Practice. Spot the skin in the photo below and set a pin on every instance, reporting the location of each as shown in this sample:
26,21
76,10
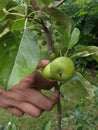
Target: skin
26,97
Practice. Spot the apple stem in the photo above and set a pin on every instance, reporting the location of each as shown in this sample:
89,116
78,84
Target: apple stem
59,108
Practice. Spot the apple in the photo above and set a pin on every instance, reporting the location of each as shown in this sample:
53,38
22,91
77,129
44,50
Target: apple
60,69
46,71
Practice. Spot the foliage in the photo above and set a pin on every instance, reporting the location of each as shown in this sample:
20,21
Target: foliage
45,30
84,15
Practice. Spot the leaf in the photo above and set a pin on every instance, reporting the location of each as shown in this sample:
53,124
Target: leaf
18,24
74,37
46,2
11,4
82,13
93,49
73,92
3,3
86,84
2,14
26,59
17,59
13,127
4,24
59,16
8,51
82,54
47,126
87,51
76,89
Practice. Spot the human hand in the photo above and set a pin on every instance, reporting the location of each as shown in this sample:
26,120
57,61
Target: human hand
25,97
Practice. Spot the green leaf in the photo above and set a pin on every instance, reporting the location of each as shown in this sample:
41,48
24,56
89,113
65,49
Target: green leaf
4,24
73,93
87,51
76,89
47,126
9,44
11,4
94,50
87,85
17,59
59,16
2,14
3,3
46,2
74,37
27,1
82,13
82,54
18,24
26,59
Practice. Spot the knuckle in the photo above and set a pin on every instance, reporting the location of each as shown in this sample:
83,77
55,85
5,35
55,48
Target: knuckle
49,106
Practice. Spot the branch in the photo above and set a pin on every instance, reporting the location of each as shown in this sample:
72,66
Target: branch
59,110
48,38
35,5
16,14
46,30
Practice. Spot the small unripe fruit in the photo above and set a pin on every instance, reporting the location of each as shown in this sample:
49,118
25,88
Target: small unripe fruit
60,69
46,71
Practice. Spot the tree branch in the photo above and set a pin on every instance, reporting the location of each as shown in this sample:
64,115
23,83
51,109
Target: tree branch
48,37
35,5
44,27
59,109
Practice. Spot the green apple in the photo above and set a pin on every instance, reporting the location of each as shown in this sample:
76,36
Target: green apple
62,68
46,71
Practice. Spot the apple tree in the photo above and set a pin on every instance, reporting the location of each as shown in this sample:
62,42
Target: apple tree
33,30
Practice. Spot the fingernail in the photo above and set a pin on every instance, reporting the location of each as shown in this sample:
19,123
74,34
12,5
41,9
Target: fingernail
44,61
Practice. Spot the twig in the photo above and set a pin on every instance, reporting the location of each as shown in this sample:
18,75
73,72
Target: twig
59,109
60,3
44,27
35,5
57,4
16,14
26,18
48,37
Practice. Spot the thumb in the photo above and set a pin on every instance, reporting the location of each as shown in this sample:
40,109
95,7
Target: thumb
42,63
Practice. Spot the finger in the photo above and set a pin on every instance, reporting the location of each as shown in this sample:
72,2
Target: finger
35,80
15,111
7,103
44,102
42,63
19,107
38,99
30,109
